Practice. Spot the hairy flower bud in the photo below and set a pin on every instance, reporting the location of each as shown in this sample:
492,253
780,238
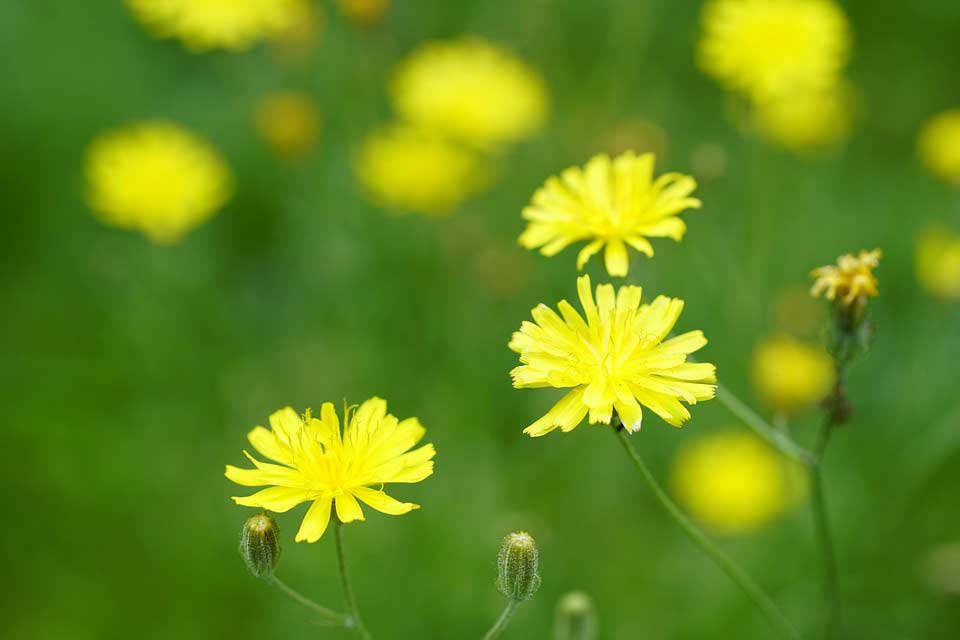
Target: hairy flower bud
260,545
575,618
518,565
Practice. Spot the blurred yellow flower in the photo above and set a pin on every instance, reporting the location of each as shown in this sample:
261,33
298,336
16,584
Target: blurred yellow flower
471,91
407,169
939,146
611,203
155,177
363,12
616,360
851,278
289,122
806,120
791,375
321,464
938,262
213,24
734,482
765,48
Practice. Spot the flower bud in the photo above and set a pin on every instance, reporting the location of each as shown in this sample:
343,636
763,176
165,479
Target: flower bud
518,565
575,618
260,545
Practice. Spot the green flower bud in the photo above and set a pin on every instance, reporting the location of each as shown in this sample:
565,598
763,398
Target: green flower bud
575,618
260,545
518,565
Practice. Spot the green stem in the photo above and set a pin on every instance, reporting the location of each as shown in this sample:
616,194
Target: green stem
353,615
778,439
822,525
503,621
773,614
331,616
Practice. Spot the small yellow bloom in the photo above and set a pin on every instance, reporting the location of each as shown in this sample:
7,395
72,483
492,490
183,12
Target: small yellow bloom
939,146
938,262
612,203
615,360
806,120
765,48
155,177
471,91
791,375
851,278
289,122
364,12
734,482
407,169
321,464
218,24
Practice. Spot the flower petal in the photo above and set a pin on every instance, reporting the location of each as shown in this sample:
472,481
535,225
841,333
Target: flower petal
382,502
347,508
315,522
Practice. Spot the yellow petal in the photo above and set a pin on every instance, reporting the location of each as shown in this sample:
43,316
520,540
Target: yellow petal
587,252
615,258
347,508
268,445
277,499
315,522
382,502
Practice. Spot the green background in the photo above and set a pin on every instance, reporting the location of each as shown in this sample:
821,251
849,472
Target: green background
131,372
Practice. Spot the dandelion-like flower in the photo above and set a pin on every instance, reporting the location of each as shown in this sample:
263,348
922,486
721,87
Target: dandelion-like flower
155,177
471,91
938,261
363,12
289,122
612,204
333,468
765,48
616,359
850,279
791,375
939,146
807,120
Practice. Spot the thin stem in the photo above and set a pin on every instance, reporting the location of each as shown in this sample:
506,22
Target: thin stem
353,615
822,525
780,440
503,621
331,616
773,614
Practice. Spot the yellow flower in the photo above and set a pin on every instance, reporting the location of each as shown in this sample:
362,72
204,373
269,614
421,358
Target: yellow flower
851,278
289,122
407,169
470,90
612,203
363,12
791,375
806,120
155,177
765,48
212,24
939,146
321,464
938,262
616,360
734,482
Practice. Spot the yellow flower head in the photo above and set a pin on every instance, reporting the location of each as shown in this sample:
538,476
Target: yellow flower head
408,169
939,146
363,12
155,177
850,279
734,482
938,262
289,122
213,24
806,120
765,48
322,464
615,360
470,90
612,203
791,375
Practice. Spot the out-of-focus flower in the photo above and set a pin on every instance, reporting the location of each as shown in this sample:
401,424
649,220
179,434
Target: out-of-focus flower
766,48
850,279
939,146
471,91
409,169
155,177
364,12
302,33
611,203
218,24
938,262
321,464
734,482
615,360
791,375
807,120
708,162
636,135
289,122
575,618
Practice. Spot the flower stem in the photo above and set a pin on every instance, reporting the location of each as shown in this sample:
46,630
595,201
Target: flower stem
353,615
778,439
330,616
763,602
821,524
503,621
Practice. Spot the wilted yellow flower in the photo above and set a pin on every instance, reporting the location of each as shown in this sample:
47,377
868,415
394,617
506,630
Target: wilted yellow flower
612,203
734,482
289,122
806,120
851,278
213,24
155,177
939,146
765,48
938,261
408,169
791,375
616,360
470,90
363,11
322,464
